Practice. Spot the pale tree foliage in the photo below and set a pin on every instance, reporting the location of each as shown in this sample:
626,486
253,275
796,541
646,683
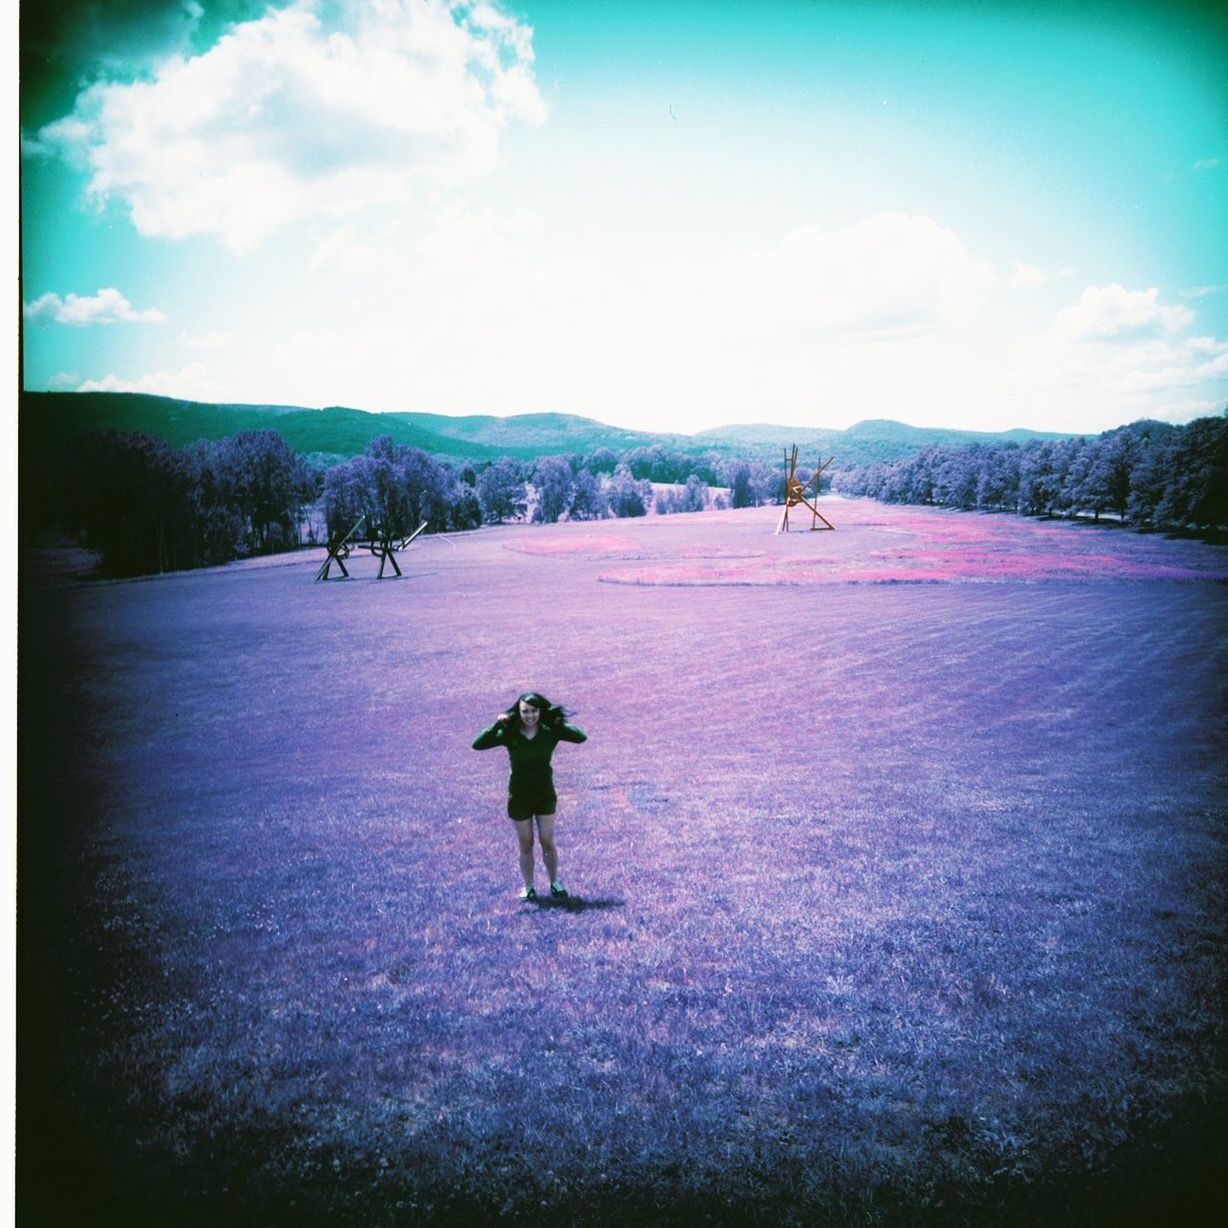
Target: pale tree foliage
501,491
1149,474
553,483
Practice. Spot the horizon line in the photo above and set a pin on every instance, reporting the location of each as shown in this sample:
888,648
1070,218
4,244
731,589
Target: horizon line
711,430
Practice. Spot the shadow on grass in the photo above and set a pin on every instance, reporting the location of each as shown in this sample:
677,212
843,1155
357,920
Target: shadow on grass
576,903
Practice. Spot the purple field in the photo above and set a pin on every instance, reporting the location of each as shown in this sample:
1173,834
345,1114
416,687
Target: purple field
897,860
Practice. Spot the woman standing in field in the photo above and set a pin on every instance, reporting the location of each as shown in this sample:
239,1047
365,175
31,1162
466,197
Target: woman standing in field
530,729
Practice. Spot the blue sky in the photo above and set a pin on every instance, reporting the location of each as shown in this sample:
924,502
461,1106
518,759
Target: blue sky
662,215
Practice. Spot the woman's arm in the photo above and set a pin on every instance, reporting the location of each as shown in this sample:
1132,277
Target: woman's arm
493,736
570,733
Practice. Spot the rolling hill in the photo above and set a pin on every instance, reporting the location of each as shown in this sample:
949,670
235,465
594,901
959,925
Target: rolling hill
875,439
338,432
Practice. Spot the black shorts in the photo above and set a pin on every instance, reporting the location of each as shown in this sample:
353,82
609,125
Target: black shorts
521,806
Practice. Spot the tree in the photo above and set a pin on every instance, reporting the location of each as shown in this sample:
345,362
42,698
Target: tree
1076,494
1039,482
387,495
394,488
266,483
695,496
602,461
956,477
997,481
501,491
426,489
131,499
1148,482
1112,462
348,494
625,495
895,483
741,491
464,509
767,483
919,483
552,478
588,502
220,528
657,463
1196,491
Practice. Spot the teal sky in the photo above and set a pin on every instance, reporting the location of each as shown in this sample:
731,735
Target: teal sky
662,215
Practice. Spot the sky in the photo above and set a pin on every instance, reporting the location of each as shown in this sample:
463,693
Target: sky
663,215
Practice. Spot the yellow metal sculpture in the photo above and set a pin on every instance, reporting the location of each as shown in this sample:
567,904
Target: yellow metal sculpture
796,493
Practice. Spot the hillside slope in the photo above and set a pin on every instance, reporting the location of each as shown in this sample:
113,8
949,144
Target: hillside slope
338,432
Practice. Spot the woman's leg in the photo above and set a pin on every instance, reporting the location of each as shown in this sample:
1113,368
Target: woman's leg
524,835
550,852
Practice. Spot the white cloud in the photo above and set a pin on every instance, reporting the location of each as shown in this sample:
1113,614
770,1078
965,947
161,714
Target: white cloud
1206,345
1177,367
318,109
1186,411
207,341
1107,312
475,240
1203,291
489,313
190,383
345,250
1113,357
1027,276
890,275
1207,164
108,306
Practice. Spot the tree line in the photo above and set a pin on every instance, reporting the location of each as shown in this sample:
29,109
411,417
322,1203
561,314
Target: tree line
1148,475
145,506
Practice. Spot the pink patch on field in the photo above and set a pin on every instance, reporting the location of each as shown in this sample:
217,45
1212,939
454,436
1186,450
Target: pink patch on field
912,567
595,543
671,574
877,544
716,552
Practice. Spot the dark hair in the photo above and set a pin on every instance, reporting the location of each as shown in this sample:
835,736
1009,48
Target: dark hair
553,715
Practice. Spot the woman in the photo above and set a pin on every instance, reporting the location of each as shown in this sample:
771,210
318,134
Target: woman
530,729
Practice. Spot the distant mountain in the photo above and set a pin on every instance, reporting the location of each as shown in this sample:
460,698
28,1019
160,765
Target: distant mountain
338,432
332,432
875,439
537,433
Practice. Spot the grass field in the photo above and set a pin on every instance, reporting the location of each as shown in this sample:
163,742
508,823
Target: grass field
897,860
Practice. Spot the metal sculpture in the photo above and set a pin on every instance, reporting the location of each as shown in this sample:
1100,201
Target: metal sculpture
795,493
377,540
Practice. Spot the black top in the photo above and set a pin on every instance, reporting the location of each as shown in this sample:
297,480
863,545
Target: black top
531,771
